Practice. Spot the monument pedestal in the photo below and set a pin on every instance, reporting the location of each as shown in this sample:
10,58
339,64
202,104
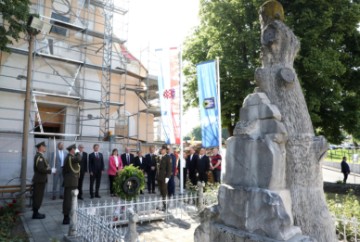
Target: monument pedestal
257,210
223,233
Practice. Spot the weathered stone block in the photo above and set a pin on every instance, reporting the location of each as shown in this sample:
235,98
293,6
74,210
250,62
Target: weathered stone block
255,99
261,111
222,233
255,163
257,210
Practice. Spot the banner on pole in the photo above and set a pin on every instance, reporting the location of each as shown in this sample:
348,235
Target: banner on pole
209,107
169,93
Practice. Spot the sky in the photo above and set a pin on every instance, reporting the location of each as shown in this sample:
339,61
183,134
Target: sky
161,24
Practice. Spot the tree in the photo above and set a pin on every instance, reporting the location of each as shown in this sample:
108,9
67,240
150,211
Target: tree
14,16
328,64
197,135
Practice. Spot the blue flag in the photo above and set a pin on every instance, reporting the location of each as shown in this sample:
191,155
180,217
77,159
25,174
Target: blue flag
208,102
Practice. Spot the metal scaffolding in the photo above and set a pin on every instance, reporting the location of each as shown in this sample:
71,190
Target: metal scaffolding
82,74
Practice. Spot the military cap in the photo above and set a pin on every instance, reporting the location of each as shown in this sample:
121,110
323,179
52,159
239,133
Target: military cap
73,146
40,144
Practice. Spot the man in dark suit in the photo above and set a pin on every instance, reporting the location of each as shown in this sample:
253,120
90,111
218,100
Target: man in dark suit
83,169
171,183
139,162
71,173
41,170
191,164
150,168
127,158
96,167
203,165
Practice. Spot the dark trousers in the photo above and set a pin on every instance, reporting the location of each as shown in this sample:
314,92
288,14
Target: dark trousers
203,177
192,176
345,177
38,195
80,184
97,178
171,186
162,188
217,175
67,200
151,181
111,180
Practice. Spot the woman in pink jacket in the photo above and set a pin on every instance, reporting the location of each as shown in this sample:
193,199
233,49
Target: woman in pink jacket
115,165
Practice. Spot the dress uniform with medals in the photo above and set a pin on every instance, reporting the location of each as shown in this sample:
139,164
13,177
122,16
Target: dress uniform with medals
71,173
41,170
164,173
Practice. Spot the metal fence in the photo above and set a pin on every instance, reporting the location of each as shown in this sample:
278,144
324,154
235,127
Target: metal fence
116,220
347,229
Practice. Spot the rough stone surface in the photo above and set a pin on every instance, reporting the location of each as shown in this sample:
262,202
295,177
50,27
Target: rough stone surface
224,233
254,197
255,163
304,151
257,210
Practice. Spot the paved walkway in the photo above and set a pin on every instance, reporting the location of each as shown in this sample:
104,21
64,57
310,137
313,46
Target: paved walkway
51,228
331,174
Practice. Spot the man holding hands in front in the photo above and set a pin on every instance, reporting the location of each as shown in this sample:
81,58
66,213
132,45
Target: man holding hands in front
96,167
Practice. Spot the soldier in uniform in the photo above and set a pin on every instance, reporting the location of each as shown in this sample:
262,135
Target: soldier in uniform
41,170
164,173
71,173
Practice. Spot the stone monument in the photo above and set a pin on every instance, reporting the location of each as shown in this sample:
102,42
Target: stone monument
272,185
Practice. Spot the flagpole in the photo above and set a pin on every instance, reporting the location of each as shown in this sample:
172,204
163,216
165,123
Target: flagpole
181,127
219,102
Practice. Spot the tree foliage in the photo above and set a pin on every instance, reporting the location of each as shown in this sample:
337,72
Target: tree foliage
328,64
13,18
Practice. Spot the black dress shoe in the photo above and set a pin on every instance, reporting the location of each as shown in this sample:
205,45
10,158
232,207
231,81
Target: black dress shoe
91,196
38,216
66,220
81,198
97,196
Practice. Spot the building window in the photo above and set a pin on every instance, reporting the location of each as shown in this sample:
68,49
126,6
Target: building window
57,29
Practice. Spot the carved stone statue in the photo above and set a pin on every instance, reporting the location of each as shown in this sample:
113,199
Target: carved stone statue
277,78
272,185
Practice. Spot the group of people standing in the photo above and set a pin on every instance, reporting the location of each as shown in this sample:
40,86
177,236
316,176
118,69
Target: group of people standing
69,169
200,164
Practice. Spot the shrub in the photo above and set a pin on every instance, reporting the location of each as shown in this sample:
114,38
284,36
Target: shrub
345,208
9,214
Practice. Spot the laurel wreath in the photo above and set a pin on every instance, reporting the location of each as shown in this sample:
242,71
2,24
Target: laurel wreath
123,176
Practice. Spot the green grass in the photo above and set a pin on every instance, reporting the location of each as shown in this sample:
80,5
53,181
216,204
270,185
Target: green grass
337,155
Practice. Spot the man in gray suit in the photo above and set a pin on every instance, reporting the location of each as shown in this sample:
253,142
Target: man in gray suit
57,176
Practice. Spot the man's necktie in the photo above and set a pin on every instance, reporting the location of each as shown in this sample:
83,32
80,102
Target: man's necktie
97,155
128,159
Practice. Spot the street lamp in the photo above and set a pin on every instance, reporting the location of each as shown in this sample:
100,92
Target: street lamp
34,26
